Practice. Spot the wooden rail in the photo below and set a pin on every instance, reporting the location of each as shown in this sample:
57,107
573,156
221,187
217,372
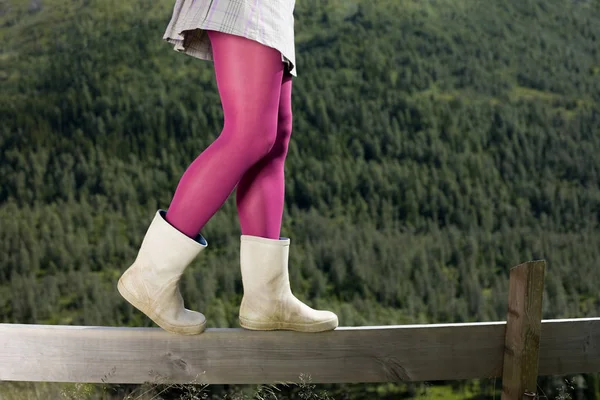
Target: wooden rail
236,356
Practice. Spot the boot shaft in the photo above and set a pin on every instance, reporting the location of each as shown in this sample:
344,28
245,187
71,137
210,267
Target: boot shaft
167,251
264,264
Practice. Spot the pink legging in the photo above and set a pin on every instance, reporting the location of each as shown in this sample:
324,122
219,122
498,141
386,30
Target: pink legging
250,152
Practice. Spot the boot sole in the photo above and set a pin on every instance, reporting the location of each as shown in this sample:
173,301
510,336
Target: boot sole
322,326
182,330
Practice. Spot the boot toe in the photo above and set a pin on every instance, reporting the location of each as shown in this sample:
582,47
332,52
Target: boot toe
328,319
187,323
318,321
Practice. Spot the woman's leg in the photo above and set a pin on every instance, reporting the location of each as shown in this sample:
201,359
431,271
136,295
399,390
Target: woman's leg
249,77
261,191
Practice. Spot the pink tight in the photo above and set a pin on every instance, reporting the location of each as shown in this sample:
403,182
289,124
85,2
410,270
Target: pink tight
250,151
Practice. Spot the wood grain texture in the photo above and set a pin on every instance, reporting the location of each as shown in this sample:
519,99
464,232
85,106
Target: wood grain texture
236,356
523,330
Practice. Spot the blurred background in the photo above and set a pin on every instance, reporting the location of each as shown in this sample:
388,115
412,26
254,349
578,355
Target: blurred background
436,144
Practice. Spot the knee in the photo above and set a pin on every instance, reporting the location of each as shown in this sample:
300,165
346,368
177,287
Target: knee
255,137
276,140
284,133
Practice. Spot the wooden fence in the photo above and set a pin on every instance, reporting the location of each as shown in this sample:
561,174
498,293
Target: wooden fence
517,350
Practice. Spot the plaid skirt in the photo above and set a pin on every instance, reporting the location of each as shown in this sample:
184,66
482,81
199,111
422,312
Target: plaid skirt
269,22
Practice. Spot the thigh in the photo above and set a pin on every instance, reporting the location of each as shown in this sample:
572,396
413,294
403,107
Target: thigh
284,117
249,76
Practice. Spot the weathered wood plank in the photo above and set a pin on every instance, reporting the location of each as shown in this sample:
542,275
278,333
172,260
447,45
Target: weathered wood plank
236,356
523,329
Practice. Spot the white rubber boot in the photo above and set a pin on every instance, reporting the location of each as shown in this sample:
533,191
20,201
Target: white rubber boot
151,283
268,302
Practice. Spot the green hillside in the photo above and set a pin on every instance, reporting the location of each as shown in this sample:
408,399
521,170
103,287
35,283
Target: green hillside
436,144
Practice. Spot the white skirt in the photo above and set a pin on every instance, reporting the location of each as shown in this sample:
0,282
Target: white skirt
269,22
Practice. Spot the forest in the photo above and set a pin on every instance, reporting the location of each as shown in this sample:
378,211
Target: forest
436,144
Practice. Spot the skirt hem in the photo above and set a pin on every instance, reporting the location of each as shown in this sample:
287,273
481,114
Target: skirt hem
183,37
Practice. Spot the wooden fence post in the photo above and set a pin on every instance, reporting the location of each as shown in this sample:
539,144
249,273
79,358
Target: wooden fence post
523,328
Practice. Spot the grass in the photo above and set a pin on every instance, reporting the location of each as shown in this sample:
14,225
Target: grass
193,390
196,390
